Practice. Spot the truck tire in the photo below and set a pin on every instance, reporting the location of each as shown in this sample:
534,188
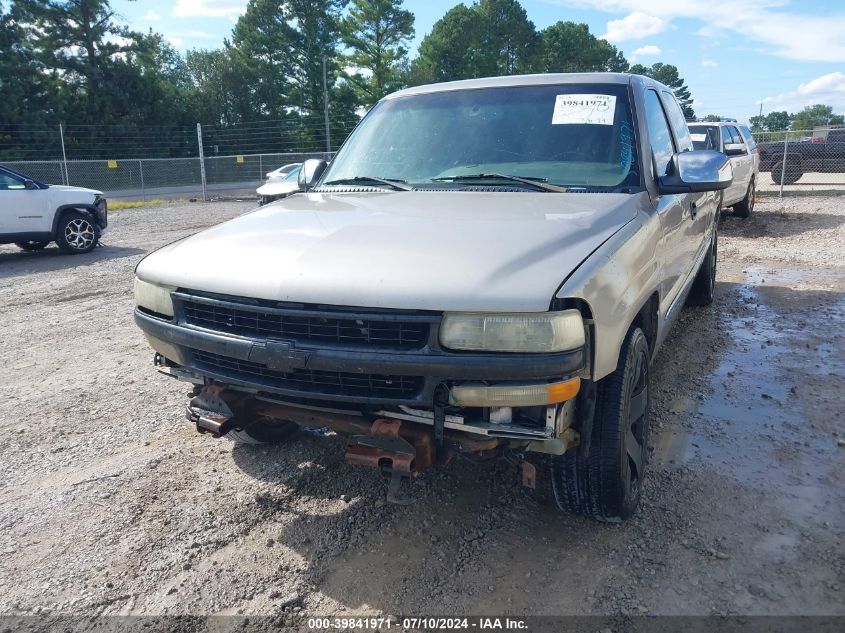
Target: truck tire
32,245
262,430
77,233
744,207
791,174
602,478
704,286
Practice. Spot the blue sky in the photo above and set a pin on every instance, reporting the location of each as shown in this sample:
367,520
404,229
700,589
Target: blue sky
734,54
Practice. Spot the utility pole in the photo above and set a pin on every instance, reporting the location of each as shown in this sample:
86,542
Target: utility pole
202,161
326,110
64,155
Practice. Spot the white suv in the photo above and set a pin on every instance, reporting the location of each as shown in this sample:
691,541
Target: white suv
33,214
736,142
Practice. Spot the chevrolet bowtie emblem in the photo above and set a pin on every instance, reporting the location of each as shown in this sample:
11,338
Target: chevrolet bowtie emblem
279,355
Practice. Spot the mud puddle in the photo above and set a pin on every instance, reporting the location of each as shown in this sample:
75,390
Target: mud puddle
753,426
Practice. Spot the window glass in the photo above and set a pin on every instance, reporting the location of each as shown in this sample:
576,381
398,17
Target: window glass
726,135
749,138
736,137
704,137
8,182
679,123
658,133
578,135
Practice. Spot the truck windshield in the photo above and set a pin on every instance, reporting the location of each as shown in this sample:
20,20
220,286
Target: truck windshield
573,135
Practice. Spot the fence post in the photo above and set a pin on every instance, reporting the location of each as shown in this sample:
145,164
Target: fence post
64,155
783,162
202,162
260,167
143,189
326,109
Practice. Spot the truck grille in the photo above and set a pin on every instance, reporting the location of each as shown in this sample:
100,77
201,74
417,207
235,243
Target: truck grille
308,380
320,327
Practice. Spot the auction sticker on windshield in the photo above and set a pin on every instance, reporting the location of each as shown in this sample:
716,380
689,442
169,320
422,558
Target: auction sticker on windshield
581,109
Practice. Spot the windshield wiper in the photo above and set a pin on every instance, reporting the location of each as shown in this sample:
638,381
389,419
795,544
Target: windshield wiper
398,185
537,183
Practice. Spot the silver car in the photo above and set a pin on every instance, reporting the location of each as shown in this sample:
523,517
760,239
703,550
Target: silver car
486,270
737,143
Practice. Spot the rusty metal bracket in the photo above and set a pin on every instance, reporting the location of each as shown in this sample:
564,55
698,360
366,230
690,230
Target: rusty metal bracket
210,412
386,450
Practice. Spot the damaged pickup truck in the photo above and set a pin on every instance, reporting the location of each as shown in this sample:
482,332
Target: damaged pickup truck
486,269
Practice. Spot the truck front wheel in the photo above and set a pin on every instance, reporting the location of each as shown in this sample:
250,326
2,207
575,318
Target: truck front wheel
76,233
790,175
603,477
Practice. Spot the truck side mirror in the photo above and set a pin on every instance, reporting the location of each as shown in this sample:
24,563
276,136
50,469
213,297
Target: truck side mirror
29,184
697,171
310,172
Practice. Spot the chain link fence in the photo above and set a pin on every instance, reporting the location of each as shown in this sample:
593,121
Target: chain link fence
802,161
798,162
150,177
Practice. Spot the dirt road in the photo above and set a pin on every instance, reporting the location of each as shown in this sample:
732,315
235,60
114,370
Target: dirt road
111,503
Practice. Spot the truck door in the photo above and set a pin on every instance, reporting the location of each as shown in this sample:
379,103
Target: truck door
741,164
22,210
674,211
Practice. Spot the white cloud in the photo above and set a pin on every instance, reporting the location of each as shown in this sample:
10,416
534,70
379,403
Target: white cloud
151,16
176,41
635,26
649,50
709,63
783,32
828,89
209,8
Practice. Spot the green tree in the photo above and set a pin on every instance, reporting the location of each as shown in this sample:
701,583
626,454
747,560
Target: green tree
567,47
221,86
509,41
262,49
771,122
668,74
377,32
490,38
30,97
449,51
815,116
80,40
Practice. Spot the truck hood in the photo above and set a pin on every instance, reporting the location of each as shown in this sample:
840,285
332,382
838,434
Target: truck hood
466,251
72,189
277,188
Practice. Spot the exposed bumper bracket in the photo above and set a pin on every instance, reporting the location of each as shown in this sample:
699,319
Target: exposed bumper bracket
210,412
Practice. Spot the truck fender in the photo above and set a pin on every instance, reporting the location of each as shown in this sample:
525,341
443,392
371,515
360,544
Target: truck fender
85,209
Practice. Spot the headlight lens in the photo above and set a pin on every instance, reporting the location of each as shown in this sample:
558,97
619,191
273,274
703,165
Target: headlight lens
154,297
540,332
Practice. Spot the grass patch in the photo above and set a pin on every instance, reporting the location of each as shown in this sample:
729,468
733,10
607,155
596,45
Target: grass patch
120,205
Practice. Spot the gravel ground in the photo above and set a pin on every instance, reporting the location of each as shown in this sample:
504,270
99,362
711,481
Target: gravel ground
112,504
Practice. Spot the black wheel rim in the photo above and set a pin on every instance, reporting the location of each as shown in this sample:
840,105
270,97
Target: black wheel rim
636,426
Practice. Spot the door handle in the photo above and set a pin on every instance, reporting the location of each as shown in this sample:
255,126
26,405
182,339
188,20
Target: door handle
693,210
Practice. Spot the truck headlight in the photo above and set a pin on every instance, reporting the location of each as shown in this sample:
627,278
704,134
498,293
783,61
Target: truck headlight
527,332
154,297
